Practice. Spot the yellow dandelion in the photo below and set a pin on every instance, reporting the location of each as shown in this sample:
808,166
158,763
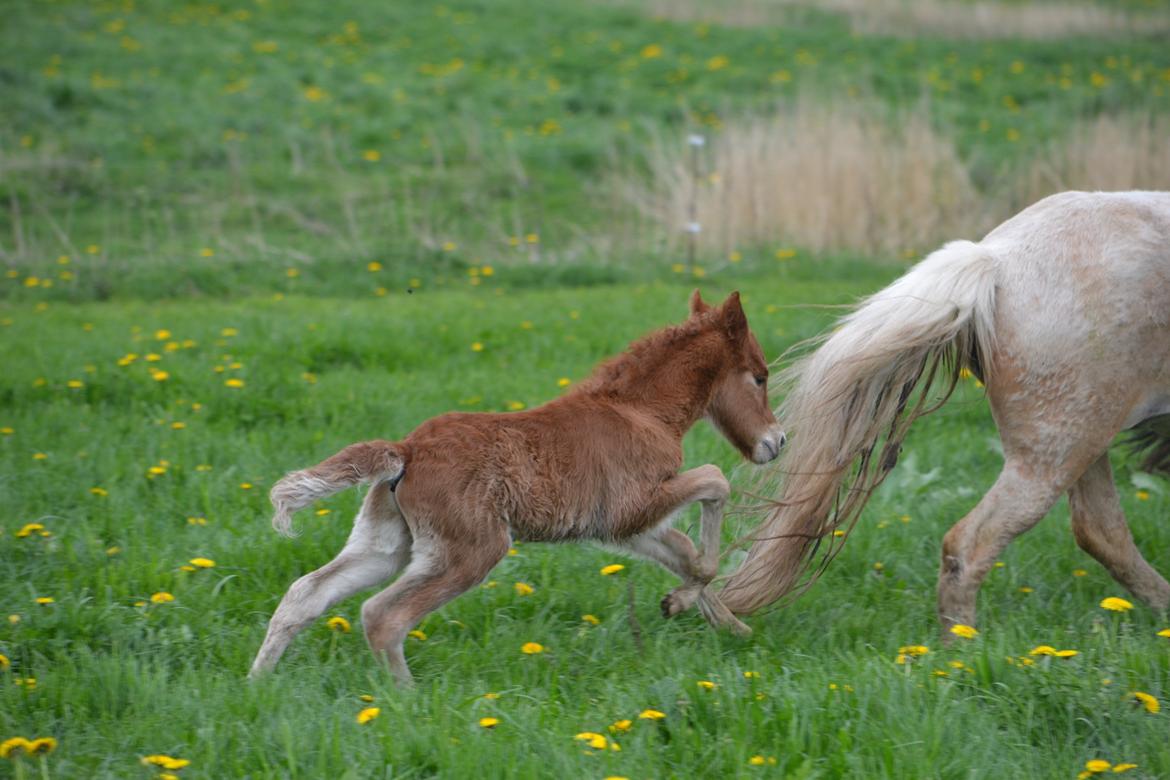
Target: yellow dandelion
164,761
651,715
757,761
613,568
1149,702
41,746
563,382
531,648
338,623
651,51
706,685
1143,495
371,155
162,597
1079,572
202,563
523,589
476,346
751,675
620,726
246,486
515,406
1097,765
967,632
1116,605
178,426
323,512
1164,632
1042,650
368,714
914,650
1066,653
234,382
1118,768
419,635
45,600
29,529
490,696
39,456
592,620
9,746
489,723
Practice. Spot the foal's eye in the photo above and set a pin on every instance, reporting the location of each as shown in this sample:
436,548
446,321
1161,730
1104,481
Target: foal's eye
761,381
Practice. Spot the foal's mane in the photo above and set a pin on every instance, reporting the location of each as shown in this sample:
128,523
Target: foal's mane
646,354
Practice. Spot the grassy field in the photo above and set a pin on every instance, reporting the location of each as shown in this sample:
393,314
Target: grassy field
240,236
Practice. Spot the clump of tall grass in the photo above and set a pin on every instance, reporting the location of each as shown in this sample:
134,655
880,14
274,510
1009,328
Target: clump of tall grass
824,177
850,178
1104,153
982,19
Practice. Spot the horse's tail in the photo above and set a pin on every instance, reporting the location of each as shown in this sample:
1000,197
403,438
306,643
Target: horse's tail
849,405
367,461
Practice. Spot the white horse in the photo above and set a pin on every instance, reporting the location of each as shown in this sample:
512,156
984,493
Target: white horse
1064,312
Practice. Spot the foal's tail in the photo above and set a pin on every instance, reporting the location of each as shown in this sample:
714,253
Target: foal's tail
367,461
849,406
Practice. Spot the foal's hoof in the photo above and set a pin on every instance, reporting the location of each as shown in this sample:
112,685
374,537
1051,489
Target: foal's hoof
678,601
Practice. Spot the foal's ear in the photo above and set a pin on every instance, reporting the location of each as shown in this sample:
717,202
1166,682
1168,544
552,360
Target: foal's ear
734,320
697,305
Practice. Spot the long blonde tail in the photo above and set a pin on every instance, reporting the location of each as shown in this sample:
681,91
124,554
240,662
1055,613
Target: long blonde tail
367,461
848,408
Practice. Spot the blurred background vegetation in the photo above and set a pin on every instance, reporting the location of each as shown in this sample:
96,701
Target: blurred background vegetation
187,148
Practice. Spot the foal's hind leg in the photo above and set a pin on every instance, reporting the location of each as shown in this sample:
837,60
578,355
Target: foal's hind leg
378,547
439,570
1100,529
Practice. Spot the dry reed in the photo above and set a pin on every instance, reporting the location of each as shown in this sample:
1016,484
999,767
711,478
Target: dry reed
984,19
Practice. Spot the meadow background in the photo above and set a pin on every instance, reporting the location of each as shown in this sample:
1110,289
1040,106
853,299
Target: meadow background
237,236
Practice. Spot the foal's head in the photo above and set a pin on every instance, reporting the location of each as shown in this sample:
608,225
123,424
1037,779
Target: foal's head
739,400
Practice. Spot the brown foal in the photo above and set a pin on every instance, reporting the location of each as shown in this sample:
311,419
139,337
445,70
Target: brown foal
601,462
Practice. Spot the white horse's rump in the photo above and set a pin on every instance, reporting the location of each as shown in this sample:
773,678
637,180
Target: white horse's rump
1064,311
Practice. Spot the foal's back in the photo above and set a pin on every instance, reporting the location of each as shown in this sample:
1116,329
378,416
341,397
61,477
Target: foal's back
576,467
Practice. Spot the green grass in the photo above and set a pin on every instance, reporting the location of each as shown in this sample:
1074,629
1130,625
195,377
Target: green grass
116,680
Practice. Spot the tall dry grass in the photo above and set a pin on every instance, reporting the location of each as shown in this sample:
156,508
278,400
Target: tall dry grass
1106,153
983,19
846,178
826,178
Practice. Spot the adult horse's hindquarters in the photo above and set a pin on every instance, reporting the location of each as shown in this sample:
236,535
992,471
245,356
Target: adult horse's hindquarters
1064,312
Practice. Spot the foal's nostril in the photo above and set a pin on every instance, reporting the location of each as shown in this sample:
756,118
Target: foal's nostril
782,442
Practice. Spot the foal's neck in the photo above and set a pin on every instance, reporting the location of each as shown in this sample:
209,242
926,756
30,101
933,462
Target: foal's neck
672,381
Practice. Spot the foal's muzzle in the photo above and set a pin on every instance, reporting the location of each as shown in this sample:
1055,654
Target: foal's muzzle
769,445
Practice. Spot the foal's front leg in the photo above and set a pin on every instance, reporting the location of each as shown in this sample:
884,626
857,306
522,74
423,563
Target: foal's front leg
675,551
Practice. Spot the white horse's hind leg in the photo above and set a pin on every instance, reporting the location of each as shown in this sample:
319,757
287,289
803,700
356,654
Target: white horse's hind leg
1016,502
1100,529
377,549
